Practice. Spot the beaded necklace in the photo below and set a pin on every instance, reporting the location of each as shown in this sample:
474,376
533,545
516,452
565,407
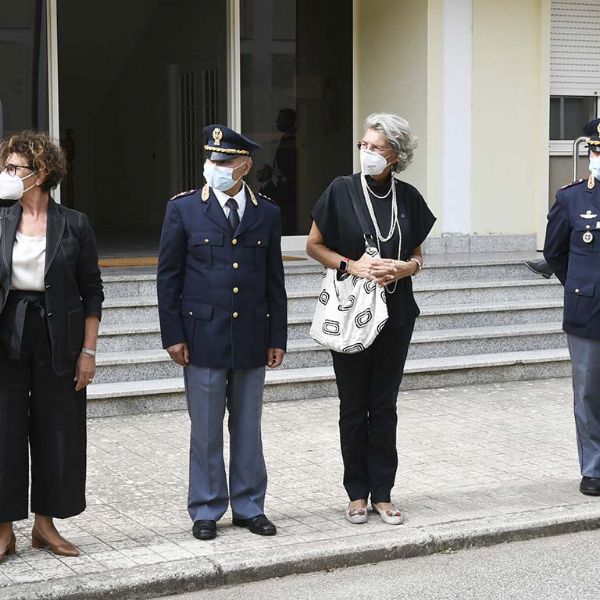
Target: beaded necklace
394,224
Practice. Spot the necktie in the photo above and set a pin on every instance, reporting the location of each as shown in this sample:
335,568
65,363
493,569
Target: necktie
234,217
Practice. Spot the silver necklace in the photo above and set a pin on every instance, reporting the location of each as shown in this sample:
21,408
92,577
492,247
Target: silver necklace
394,224
377,195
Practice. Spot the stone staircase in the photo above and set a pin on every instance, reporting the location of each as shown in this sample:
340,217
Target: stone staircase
483,319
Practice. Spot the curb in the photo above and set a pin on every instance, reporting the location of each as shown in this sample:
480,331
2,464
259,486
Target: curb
236,568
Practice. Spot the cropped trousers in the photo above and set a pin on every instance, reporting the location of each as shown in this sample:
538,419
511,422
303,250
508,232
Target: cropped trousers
42,414
368,384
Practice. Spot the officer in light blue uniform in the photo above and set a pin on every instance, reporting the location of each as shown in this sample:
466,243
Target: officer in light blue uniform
223,317
572,249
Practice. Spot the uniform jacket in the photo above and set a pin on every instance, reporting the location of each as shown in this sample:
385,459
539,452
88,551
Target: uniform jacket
572,249
222,292
72,277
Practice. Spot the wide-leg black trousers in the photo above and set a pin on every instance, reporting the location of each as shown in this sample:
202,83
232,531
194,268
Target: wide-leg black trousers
39,412
368,383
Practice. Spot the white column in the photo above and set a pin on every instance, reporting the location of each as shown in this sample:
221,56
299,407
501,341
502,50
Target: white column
456,130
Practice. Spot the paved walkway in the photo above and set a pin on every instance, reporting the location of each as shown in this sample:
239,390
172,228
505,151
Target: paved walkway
492,453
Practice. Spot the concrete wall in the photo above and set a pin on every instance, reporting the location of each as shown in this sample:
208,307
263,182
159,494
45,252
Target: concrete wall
510,84
391,71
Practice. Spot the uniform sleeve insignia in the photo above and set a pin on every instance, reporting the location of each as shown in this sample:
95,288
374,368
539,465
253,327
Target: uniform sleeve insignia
564,187
182,194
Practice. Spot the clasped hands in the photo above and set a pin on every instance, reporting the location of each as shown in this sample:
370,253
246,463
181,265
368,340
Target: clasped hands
382,270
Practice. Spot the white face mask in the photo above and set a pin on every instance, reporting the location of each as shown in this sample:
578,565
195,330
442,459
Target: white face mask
595,165
220,178
11,186
372,163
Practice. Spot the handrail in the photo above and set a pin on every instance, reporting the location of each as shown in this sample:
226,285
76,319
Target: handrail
576,144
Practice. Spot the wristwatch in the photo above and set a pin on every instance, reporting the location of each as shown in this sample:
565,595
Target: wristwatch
343,265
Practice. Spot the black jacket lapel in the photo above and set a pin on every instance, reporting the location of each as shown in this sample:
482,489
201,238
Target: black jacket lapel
250,215
55,228
214,211
9,232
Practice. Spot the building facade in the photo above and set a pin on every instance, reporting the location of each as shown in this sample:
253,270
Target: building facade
128,86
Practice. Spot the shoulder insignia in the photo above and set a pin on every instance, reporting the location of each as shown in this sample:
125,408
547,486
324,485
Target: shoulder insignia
251,194
205,192
267,198
591,182
572,183
182,194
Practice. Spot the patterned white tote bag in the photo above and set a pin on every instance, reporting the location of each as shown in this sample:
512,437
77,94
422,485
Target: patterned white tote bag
350,311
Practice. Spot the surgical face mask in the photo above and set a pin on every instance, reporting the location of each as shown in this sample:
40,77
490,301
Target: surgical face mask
372,163
11,186
595,165
220,178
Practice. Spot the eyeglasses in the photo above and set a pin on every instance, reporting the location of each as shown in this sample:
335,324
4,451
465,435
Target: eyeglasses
12,169
366,146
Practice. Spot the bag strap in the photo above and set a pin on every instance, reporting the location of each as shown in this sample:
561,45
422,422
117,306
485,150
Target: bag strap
358,210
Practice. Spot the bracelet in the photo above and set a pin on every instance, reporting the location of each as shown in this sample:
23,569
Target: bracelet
419,266
88,351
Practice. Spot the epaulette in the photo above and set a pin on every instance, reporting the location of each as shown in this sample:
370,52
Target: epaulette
182,194
267,198
572,183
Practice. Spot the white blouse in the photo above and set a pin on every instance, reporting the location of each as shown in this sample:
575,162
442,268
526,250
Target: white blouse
28,263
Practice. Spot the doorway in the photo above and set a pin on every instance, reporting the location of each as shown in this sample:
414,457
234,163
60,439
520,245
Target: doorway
138,81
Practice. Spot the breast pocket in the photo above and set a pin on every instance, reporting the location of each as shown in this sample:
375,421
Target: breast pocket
256,245
586,236
208,249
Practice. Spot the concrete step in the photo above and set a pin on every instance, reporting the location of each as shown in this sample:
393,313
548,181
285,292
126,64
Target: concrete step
151,362
435,313
456,292
316,382
303,276
461,316
119,337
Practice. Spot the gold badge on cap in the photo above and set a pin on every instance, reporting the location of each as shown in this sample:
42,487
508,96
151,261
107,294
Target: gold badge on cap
217,135
598,128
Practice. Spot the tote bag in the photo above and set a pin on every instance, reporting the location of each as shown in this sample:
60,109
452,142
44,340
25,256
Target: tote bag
351,311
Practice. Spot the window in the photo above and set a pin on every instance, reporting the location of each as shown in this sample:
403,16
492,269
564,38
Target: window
568,115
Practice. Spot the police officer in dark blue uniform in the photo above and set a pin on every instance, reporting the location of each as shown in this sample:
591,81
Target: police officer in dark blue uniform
572,249
223,317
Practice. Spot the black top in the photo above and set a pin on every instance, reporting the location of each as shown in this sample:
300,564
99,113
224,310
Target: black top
341,231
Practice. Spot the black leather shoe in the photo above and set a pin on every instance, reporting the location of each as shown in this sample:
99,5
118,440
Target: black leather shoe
205,529
539,267
590,486
259,525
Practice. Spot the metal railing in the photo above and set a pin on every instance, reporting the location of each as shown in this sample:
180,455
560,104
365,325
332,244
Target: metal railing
576,145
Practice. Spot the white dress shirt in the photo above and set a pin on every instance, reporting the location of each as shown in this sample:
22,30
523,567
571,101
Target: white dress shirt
240,198
28,262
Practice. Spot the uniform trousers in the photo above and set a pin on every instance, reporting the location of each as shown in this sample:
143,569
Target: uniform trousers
208,392
368,383
41,413
585,361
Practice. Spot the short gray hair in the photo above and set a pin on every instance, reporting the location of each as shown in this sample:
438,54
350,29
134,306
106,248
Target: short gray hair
396,131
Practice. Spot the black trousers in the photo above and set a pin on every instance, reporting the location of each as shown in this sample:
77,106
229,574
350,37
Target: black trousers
39,412
368,383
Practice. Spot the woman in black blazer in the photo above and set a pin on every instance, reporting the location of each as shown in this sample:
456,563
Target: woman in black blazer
50,307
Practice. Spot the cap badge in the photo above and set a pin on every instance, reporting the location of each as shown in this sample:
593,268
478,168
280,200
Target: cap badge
598,128
217,135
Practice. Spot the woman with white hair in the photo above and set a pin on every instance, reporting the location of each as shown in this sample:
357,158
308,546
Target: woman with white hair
368,380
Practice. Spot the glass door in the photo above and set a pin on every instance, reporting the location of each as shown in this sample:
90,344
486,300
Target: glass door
138,80
23,67
296,99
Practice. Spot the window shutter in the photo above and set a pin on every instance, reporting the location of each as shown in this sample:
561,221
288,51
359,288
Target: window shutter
574,48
